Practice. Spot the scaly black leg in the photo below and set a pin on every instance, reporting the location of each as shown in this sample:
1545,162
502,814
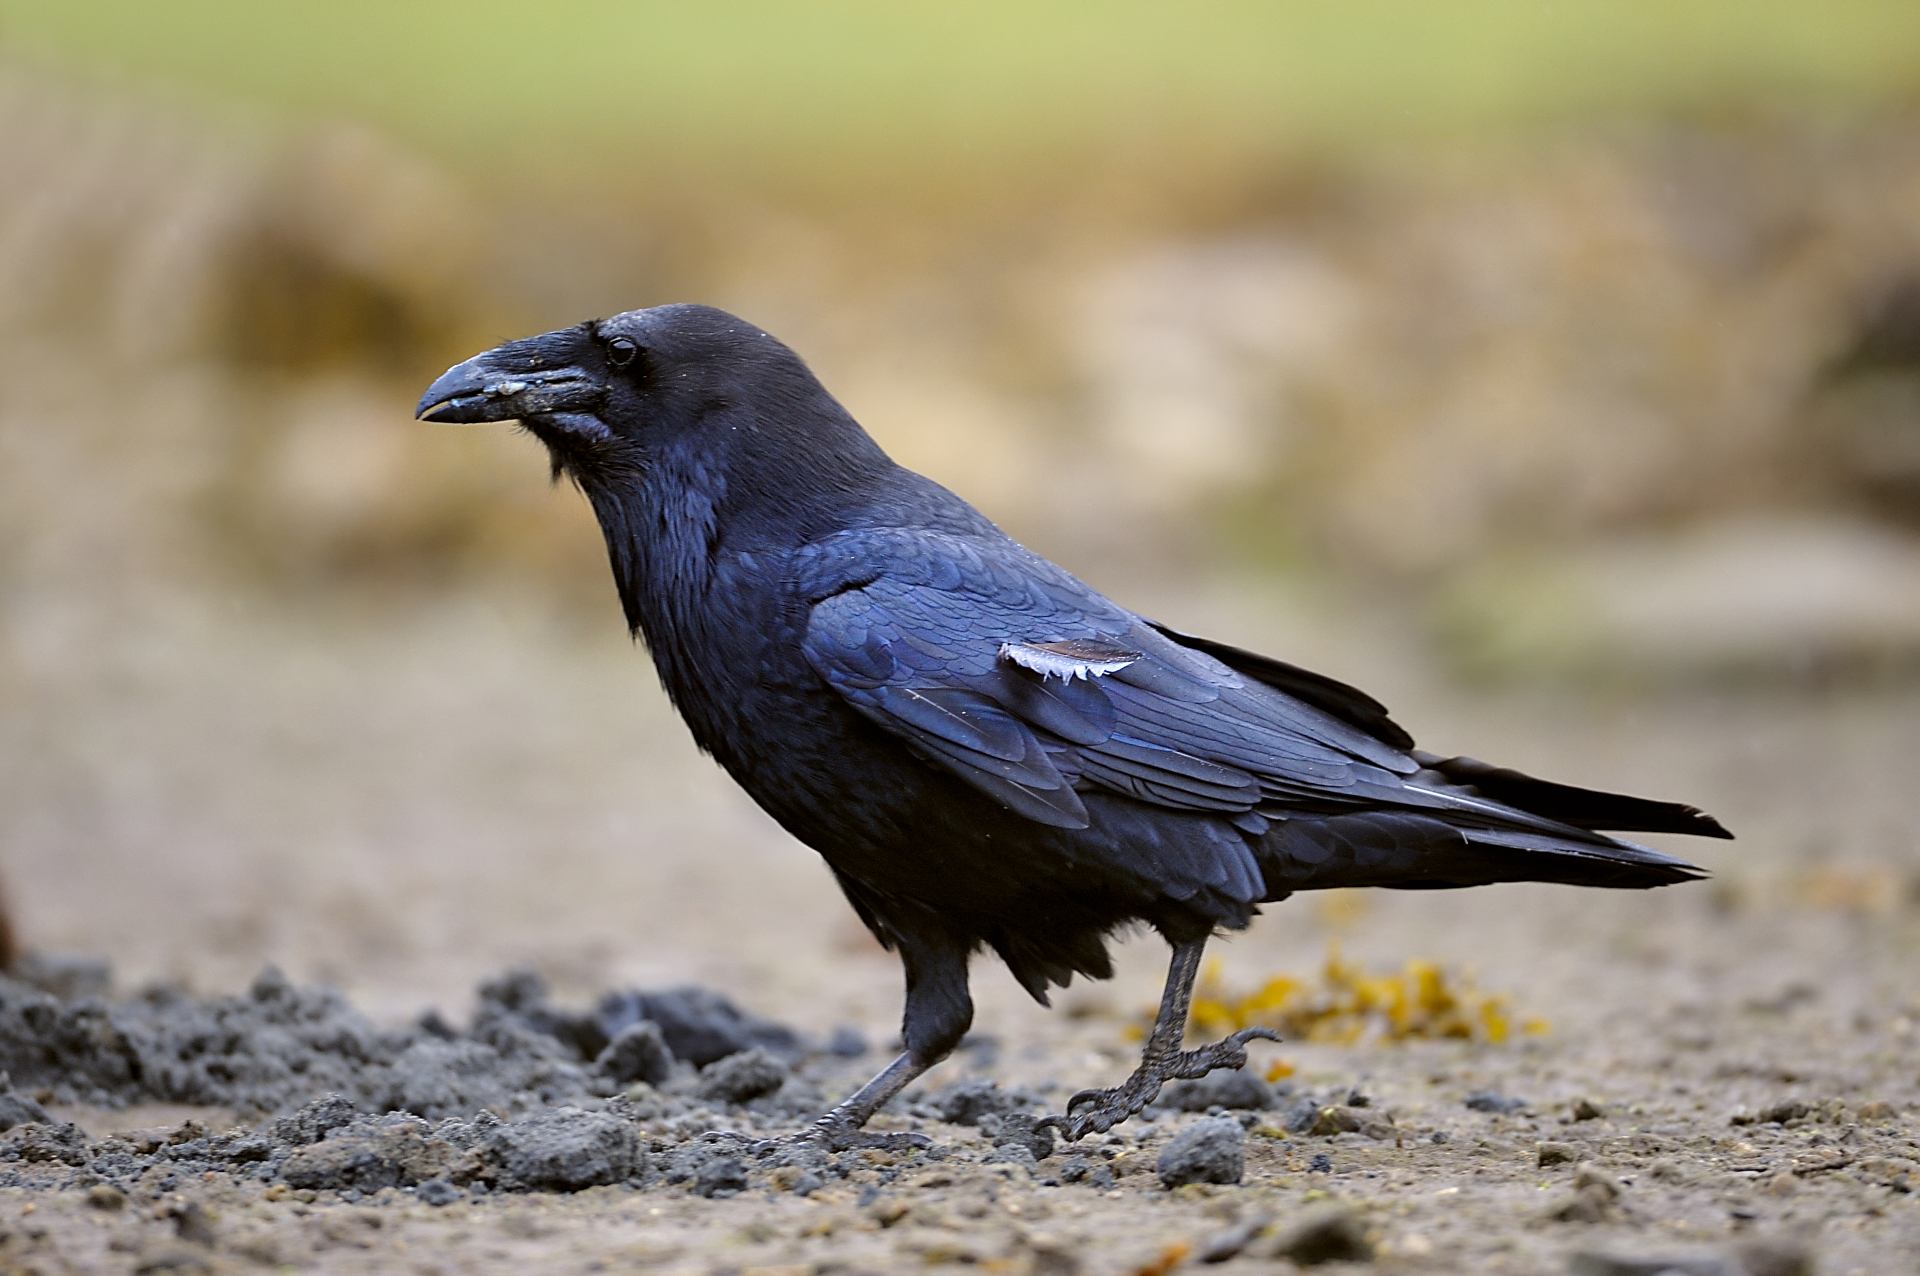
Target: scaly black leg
840,1129
1094,1111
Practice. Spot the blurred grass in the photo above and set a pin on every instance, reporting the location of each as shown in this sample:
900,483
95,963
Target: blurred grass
611,91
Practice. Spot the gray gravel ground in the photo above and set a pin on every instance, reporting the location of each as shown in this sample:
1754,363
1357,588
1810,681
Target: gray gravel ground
1667,1129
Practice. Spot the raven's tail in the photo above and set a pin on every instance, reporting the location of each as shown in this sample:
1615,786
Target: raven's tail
1581,808
1432,850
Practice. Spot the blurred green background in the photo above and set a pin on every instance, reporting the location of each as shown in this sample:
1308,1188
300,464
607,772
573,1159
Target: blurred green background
1572,348
598,90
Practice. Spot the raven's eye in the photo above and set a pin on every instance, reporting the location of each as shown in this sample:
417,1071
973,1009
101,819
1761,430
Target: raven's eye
621,350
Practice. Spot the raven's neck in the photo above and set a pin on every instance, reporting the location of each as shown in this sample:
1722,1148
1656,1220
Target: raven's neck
697,544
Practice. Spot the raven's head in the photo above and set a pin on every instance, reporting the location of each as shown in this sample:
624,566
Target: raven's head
614,398
615,392
682,417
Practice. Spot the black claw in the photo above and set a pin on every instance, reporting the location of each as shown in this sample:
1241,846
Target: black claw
1111,1107
836,1136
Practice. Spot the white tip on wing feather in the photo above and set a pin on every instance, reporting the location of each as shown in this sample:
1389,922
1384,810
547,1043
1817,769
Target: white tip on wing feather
1070,658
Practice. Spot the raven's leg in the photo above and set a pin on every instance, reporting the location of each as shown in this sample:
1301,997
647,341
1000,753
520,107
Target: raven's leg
939,1010
1162,1060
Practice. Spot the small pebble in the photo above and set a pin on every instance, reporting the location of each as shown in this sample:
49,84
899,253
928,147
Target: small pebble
1331,1121
437,1192
1589,1175
1489,1101
1324,1234
191,1224
1226,1244
1556,1154
1594,1200
1301,1116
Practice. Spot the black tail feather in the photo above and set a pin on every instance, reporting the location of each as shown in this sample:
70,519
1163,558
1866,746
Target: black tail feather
1582,808
1416,850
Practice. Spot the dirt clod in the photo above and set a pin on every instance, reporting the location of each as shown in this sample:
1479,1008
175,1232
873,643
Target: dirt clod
59,1142
638,1052
1210,1151
315,1121
721,1176
371,1153
560,1150
742,1077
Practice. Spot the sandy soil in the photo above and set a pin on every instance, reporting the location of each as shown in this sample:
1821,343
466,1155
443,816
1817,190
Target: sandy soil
401,804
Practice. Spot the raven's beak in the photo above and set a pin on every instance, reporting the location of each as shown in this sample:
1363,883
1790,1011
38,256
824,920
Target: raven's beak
539,376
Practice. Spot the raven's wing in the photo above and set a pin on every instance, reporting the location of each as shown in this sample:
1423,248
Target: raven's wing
1002,668
1350,704
921,622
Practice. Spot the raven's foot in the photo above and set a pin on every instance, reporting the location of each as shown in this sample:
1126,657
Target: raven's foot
1096,1111
840,1129
838,1132
828,1134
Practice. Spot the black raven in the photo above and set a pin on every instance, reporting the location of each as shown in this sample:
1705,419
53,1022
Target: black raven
987,752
